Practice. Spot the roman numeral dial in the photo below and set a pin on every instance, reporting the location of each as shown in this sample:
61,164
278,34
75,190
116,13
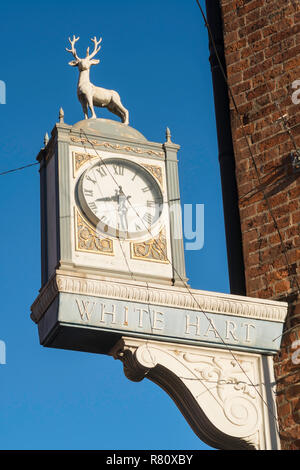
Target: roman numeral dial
120,198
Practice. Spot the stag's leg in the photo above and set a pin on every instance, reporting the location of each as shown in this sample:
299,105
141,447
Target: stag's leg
85,110
83,102
126,115
116,107
91,106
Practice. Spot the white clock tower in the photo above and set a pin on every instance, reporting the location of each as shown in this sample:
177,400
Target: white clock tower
110,204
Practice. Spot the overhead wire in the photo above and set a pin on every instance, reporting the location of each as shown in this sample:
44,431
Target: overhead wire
287,129
225,345
254,164
284,249
250,383
185,284
117,235
18,169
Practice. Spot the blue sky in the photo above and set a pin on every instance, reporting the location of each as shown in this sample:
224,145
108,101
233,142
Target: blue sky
155,54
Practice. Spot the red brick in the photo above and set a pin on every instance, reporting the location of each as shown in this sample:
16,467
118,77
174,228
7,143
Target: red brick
282,286
262,48
284,409
293,392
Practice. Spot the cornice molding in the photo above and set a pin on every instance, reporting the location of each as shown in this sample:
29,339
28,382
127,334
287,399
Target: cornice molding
168,296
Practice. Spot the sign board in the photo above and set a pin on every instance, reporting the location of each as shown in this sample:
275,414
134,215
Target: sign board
98,322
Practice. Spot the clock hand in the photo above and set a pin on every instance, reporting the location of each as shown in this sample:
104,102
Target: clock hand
119,196
122,201
111,198
123,208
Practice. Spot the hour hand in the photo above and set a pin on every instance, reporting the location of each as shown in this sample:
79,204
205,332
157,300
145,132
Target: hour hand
111,198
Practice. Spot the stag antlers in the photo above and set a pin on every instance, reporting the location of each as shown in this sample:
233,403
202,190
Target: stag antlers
88,55
73,50
96,48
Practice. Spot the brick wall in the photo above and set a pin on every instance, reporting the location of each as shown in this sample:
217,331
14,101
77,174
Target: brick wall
262,50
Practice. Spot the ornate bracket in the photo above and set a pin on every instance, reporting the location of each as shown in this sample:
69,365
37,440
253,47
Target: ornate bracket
224,396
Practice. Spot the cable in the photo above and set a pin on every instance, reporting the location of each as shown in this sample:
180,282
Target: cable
185,285
291,274
117,236
184,282
265,175
250,151
179,276
289,329
257,189
124,256
288,130
18,169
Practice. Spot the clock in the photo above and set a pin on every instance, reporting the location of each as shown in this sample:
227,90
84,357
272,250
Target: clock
120,198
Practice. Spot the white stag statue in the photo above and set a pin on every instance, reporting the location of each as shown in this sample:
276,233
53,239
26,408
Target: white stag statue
90,95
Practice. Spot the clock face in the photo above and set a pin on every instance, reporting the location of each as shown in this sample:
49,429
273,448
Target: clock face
120,198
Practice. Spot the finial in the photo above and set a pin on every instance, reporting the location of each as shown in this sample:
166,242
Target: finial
168,135
46,139
61,115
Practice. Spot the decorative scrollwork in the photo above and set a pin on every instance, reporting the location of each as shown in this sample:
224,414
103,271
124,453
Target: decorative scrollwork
87,239
151,250
156,171
79,159
207,386
232,383
126,148
242,412
223,373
